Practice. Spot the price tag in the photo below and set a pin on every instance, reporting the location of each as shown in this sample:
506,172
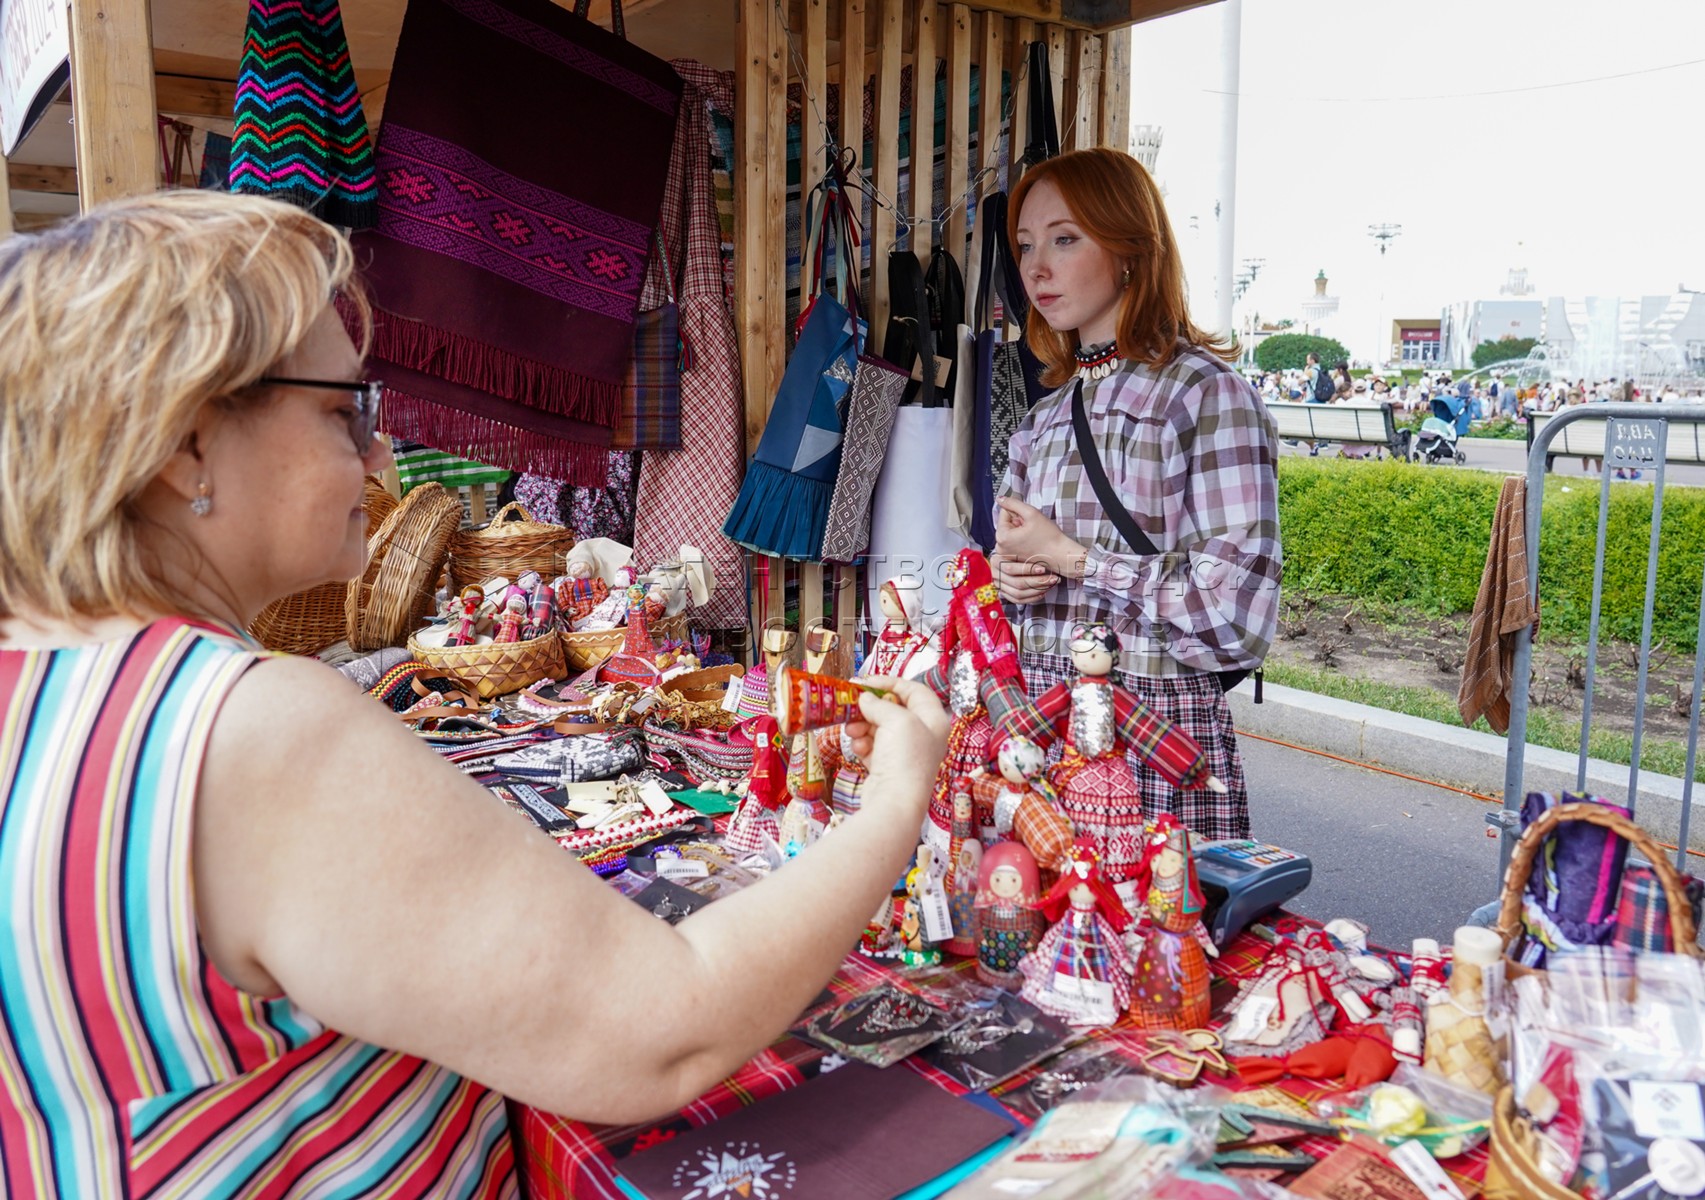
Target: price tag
1667,1109
938,921
655,798
1093,998
682,868
1251,1018
1424,1172
731,698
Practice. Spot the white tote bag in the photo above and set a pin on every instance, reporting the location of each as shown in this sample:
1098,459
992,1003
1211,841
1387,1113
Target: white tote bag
909,532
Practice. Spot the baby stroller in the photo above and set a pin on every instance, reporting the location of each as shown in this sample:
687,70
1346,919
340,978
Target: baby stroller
1437,441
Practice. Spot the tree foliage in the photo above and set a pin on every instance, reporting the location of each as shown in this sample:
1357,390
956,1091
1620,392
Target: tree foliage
1290,351
1502,350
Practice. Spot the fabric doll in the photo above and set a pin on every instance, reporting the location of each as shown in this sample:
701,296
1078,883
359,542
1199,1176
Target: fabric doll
1007,921
1169,988
514,616
541,606
581,589
612,611
1101,721
683,581
754,821
467,617
978,678
1080,971
808,812
844,768
902,650
965,858
1019,803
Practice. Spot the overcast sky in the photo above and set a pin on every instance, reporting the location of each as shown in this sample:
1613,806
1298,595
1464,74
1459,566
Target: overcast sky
1353,112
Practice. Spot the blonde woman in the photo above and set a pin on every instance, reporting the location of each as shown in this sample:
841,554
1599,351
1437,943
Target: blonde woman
257,936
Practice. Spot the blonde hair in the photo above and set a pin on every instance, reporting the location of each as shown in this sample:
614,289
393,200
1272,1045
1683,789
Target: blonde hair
116,328
1117,204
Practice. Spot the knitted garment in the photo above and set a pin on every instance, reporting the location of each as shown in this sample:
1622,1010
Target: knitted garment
300,133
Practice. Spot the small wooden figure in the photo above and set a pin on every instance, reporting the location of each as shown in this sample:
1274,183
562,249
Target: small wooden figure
1169,987
965,855
1008,921
1080,971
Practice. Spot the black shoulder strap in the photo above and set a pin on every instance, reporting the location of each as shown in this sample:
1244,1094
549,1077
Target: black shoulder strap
1044,140
910,338
1087,454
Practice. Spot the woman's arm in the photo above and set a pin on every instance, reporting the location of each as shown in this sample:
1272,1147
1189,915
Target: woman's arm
1216,597
338,860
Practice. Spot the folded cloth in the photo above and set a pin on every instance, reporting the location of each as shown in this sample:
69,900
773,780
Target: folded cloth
513,232
301,135
1502,608
1361,1060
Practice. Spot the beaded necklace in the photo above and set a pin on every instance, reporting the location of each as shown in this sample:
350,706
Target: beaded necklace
1097,361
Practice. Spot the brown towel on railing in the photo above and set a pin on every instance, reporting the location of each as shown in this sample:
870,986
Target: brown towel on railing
1502,608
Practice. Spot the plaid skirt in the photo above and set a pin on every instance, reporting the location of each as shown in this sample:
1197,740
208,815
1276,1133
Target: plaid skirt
1194,704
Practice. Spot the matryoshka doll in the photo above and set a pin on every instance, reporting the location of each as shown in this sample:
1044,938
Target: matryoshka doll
964,862
1008,921
1080,971
1169,988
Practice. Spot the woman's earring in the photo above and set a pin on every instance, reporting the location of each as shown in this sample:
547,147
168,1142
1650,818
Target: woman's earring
203,502
1126,280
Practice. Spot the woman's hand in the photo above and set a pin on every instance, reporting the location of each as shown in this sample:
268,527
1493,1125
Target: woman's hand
1025,534
902,737
1021,582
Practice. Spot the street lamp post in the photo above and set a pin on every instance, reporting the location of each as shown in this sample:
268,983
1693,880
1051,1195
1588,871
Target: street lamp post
1384,233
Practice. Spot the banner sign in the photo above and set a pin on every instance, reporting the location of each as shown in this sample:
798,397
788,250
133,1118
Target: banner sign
35,62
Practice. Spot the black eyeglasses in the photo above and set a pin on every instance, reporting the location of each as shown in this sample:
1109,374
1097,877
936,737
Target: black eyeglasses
364,421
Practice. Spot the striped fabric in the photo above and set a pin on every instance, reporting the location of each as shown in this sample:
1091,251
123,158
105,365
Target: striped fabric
301,134
128,1066
422,464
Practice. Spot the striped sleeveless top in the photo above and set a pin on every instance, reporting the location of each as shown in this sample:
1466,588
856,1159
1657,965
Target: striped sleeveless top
128,1066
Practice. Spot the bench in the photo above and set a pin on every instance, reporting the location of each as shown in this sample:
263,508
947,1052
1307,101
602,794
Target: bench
1351,424
1584,438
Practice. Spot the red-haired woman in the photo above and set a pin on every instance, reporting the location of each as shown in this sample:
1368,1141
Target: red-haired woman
1187,449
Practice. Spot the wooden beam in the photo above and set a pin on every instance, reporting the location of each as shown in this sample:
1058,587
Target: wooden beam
991,64
5,201
29,222
1115,128
923,121
760,140
890,50
190,96
27,178
814,55
1018,55
958,25
1086,81
852,78
112,100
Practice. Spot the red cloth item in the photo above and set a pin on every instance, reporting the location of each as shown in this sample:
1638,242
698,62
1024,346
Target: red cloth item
977,620
1362,1059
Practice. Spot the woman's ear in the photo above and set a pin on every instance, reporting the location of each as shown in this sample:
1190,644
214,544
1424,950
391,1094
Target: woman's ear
185,473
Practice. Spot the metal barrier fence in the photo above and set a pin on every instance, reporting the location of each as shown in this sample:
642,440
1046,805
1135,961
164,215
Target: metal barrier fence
1635,436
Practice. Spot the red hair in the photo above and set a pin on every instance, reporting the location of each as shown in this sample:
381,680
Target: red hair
1083,865
1117,204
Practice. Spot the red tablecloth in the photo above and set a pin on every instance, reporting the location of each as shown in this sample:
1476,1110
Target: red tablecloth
571,1159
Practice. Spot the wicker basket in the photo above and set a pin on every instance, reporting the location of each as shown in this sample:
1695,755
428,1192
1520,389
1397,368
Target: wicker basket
311,620
496,668
405,556
1511,1172
586,650
508,548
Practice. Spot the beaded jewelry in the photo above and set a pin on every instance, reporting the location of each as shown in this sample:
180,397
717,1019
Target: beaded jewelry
1097,361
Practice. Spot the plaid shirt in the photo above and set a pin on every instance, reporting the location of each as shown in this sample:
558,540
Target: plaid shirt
1191,451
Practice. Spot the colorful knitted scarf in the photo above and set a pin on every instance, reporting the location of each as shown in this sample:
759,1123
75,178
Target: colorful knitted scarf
521,167
300,133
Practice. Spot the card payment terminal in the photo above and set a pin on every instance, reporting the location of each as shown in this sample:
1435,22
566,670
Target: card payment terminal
1242,881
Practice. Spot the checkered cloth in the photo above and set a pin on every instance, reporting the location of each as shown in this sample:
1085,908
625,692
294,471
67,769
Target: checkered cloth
1194,704
571,1160
421,464
1643,911
1190,450
650,417
685,494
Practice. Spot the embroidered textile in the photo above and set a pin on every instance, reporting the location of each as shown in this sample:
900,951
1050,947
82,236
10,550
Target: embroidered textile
506,280
301,135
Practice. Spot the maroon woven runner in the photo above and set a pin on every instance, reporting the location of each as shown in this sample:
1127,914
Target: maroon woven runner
521,165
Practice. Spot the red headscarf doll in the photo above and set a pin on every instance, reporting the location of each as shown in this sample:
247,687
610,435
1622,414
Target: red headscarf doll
1081,971
766,791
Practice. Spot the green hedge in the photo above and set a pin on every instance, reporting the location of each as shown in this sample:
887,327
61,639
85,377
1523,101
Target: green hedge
1400,533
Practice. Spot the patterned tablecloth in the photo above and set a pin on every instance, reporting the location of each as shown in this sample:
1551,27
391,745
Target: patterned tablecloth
563,1158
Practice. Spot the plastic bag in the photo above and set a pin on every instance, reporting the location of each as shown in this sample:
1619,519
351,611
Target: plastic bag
1415,1105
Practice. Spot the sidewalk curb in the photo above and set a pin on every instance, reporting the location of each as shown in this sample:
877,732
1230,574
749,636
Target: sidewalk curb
1450,754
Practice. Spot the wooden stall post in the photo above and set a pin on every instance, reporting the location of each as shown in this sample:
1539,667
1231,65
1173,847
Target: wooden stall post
1018,54
890,50
813,108
991,65
1084,128
852,78
112,100
5,199
958,25
1058,64
923,122
1115,128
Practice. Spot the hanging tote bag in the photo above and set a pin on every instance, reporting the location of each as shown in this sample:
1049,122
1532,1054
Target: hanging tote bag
910,338
909,533
876,392
650,418
783,505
